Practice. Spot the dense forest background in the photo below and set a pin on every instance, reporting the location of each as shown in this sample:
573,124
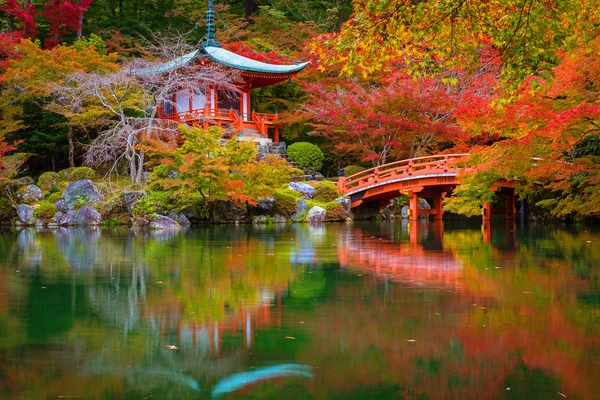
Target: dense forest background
514,83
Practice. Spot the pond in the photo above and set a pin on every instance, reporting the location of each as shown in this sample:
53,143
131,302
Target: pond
339,311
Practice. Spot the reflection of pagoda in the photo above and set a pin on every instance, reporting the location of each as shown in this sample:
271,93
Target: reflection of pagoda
225,108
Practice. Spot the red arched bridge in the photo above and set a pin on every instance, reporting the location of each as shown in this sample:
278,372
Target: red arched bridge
429,177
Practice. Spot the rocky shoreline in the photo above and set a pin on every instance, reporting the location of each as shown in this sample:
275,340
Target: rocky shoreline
83,204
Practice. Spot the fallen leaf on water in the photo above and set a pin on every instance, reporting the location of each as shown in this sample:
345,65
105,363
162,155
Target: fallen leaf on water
507,388
411,340
290,337
159,282
527,292
561,394
171,347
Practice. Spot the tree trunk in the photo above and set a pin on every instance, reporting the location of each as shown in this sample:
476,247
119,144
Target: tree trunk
10,22
25,4
71,147
249,9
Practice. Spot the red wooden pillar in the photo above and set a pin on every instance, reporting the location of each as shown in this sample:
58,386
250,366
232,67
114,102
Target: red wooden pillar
487,212
437,205
413,206
486,231
159,110
510,203
276,135
413,233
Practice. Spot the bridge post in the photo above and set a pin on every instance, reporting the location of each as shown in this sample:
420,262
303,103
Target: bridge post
487,212
413,205
437,205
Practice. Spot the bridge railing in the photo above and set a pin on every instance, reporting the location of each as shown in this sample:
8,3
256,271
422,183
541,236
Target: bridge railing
413,167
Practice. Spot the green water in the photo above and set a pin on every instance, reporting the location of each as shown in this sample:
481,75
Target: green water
341,311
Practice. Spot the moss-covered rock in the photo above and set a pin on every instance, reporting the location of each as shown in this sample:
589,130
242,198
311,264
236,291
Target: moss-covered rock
285,203
335,211
46,210
49,182
326,191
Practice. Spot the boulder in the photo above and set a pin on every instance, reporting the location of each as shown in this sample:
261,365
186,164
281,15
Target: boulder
180,218
307,191
316,215
87,216
30,193
67,218
301,210
162,223
61,206
131,198
83,190
260,220
224,212
266,204
280,219
25,214
345,202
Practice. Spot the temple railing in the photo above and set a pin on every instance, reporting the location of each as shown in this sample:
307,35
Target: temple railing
411,168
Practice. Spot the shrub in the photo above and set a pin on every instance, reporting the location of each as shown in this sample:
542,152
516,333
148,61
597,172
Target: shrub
54,197
46,210
353,169
144,211
76,174
80,173
7,211
48,181
306,155
326,191
159,172
285,202
335,212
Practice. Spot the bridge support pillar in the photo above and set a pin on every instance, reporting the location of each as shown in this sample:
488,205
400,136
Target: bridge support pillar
413,206
437,205
487,212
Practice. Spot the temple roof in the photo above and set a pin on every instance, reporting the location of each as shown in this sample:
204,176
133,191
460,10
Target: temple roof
232,60
213,50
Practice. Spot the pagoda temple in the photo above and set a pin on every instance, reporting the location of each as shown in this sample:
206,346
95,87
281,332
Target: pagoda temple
226,108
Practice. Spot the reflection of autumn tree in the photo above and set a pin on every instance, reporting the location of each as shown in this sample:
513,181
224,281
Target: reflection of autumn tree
536,306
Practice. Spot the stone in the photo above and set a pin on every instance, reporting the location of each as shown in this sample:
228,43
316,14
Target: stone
25,213
87,216
57,217
180,218
316,215
61,206
260,220
307,191
30,193
162,223
224,212
344,202
280,219
266,204
83,190
131,198
301,210
67,218
173,174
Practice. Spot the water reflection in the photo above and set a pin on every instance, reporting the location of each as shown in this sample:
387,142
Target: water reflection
368,310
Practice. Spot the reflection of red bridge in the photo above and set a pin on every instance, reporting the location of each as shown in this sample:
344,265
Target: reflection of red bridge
426,177
402,263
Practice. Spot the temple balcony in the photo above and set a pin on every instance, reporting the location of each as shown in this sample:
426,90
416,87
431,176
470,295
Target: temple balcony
251,125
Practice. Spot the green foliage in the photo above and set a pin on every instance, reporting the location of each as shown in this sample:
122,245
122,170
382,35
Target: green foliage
77,174
306,155
48,181
335,211
588,146
159,172
46,210
93,40
285,202
326,191
472,193
54,197
7,211
144,211
353,169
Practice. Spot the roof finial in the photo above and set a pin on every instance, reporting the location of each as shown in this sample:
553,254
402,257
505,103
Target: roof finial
210,28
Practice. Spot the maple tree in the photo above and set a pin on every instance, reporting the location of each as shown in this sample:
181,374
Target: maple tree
550,129
432,35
